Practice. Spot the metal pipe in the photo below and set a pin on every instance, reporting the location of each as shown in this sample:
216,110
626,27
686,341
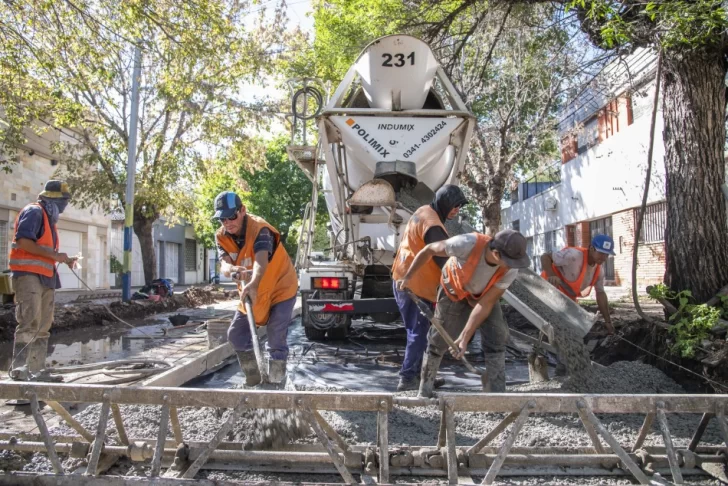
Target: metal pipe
704,421
671,456
507,444
98,443
614,444
452,459
176,429
52,454
383,443
63,413
598,447
644,430
119,422
334,456
161,438
493,433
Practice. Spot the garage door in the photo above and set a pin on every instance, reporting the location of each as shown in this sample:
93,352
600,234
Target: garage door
71,245
171,261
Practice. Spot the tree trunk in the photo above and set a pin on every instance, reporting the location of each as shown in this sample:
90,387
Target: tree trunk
696,237
143,227
491,211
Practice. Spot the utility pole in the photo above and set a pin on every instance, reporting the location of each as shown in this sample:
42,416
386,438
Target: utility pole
130,176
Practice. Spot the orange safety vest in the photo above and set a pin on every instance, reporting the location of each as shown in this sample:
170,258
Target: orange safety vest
424,281
279,282
575,286
23,261
455,277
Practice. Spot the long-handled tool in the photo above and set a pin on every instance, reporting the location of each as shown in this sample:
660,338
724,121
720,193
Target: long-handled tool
259,358
427,312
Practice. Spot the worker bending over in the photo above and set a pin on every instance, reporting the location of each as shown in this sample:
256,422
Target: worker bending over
478,271
575,271
251,252
33,257
427,225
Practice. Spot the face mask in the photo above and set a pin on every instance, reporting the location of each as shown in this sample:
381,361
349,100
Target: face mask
61,204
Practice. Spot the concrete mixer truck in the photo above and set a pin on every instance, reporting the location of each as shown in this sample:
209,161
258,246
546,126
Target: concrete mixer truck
393,132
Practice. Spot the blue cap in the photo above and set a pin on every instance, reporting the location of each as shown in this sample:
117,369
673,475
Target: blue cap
603,244
227,204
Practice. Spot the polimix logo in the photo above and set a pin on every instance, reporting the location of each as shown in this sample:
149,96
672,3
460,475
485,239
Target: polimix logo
379,147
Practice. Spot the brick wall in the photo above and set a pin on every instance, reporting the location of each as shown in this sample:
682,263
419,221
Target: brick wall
651,256
582,235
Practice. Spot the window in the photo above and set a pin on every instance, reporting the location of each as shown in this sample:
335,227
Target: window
588,136
604,227
653,224
3,245
516,225
190,255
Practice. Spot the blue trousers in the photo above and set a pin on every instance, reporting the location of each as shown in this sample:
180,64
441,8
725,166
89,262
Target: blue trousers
417,326
277,330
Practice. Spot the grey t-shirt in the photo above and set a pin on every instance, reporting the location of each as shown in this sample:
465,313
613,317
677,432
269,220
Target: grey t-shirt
460,247
570,261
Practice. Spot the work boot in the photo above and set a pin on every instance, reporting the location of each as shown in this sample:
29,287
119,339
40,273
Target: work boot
19,364
430,365
414,383
276,370
495,369
250,367
37,362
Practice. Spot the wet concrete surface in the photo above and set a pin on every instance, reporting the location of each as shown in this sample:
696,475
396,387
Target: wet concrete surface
114,340
369,360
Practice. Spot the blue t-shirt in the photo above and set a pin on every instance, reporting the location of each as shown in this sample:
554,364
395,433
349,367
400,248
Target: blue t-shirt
30,226
265,241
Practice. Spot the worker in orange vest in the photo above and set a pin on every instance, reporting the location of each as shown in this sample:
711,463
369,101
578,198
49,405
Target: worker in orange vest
427,225
252,252
478,271
575,271
33,258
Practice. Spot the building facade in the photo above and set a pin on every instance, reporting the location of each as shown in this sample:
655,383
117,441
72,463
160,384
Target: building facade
84,231
180,257
598,184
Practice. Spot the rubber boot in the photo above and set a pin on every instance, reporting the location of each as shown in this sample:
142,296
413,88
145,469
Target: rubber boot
430,365
249,367
495,368
414,384
19,365
37,362
276,370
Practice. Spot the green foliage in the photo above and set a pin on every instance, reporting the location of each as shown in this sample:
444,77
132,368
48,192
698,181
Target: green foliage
279,191
70,64
691,324
115,265
672,23
276,190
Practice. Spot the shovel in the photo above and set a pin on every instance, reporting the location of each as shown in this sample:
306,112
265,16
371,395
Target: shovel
425,311
259,358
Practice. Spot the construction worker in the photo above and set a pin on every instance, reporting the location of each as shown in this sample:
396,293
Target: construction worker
33,257
478,271
427,225
251,251
575,271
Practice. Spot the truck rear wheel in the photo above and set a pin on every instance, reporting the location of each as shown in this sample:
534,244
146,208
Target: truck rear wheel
338,333
313,334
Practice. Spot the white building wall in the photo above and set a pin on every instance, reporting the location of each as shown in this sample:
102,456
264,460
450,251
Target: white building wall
36,165
606,179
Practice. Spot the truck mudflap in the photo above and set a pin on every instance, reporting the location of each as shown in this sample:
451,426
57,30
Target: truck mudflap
359,306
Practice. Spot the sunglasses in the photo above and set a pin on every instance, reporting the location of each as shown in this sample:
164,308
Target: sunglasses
231,218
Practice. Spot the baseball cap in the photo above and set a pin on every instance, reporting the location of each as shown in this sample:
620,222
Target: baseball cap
227,204
56,190
512,247
603,244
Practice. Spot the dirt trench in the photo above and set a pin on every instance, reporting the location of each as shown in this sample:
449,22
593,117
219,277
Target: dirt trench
90,314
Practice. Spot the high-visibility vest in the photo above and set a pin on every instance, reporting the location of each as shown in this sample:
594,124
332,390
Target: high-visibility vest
455,277
573,289
279,282
23,261
424,282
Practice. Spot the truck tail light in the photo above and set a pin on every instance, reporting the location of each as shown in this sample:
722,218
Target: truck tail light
329,283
